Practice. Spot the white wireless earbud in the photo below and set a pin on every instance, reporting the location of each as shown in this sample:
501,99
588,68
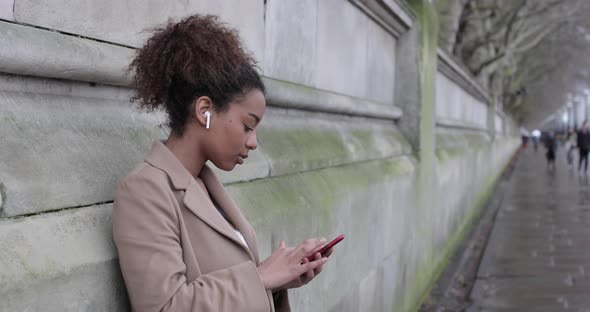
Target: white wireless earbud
208,115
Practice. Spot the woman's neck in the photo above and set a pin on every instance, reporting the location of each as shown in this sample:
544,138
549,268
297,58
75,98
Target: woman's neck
186,149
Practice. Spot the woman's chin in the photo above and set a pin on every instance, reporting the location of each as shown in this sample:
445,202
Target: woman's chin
226,166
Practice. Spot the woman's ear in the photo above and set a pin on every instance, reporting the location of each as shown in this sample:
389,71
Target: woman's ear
203,105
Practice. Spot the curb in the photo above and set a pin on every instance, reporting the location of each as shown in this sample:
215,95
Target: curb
453,288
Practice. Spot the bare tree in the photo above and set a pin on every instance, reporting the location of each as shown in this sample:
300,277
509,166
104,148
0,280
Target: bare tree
509,45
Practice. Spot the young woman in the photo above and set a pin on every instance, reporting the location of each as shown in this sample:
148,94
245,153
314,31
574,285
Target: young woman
183,243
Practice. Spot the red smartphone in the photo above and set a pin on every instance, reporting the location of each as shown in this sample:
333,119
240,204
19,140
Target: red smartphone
327,247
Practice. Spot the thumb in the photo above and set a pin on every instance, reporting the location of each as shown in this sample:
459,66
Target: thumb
282,245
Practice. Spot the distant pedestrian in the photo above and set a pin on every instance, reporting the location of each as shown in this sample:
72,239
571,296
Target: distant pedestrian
550,145
570,155
570,146
525,140
583,142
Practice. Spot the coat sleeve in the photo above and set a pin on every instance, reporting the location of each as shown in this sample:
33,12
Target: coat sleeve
281,301
147,237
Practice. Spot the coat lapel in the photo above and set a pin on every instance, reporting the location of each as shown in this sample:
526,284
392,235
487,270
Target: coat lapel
198,202
224,200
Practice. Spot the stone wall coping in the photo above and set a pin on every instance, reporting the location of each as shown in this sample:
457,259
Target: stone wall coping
290,95
452,124
392,15
451,69
30,51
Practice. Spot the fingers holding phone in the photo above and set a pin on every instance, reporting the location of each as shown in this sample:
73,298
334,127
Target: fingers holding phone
309,247
284,268
327,249
318,256
297,266
323,252
309,275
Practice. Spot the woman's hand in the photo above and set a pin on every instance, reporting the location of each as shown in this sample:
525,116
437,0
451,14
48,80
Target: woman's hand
309,275
289,268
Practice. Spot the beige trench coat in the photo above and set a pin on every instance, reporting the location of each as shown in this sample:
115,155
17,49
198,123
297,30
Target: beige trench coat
176,251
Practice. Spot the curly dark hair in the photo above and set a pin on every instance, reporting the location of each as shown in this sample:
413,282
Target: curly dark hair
198,56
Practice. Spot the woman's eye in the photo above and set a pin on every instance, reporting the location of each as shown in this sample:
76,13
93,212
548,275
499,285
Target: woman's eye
247,129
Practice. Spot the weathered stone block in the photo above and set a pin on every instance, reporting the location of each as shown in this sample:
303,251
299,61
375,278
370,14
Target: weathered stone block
291,31
380,83
125,22
6,9
64,261
456,107
341,48
65,151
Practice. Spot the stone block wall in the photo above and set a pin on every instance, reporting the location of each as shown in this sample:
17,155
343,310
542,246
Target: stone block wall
331,159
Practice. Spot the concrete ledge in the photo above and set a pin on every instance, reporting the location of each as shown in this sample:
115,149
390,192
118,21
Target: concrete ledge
458,125
451,142
35,85
35,52
71,138
63,261
290,95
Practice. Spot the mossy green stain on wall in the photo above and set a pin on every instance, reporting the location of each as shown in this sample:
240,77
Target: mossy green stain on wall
317,203
363,139
453,145
313,192
428,20
299,149
33,271
428,25
426,15
431,262
464,140
9,118
307,149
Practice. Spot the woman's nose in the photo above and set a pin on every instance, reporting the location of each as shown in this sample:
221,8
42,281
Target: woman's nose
251,142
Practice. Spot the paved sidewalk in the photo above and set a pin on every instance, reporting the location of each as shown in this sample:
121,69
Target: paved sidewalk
538,255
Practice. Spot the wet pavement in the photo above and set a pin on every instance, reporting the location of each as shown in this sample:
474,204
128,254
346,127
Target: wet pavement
538,255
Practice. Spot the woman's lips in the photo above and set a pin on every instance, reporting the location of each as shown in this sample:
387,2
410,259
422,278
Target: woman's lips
241,159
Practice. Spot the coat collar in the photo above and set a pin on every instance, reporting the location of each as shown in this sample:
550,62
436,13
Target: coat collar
199,203
162,158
